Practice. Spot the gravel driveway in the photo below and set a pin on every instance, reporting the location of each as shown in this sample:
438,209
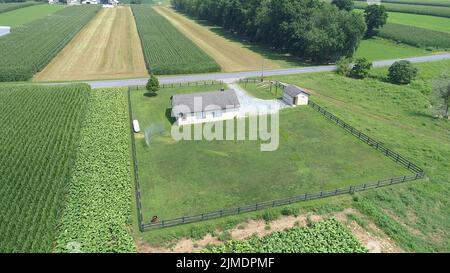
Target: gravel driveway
254,106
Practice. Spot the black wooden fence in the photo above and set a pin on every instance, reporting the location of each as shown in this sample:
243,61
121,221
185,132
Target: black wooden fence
418,174
370,141
278,202
135,165
180,84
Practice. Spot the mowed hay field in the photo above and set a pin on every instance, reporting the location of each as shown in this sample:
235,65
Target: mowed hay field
107,48
231,56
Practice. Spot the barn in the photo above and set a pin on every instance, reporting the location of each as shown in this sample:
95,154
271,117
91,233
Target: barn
294,95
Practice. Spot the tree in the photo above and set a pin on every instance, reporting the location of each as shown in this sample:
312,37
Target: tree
441,96
361,68
343,4
402,72
376,17
344,66
152,84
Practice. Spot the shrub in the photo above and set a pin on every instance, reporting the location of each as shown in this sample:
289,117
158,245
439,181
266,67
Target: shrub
344,66
290,211
270,215
361,68
402,72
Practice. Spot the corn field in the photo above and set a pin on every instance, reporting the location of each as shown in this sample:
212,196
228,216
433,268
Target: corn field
29,48
39,135
166,50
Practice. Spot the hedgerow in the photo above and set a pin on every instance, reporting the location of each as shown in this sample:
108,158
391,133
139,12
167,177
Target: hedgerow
29,48
415,36
166,50
328,236
98,207
40,127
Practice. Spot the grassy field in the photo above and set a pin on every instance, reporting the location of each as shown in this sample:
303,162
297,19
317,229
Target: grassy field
40,131
382,49
313,155
24,15
230,55
443,3
415,36
422,21
166,50
97,210
415,215
413,9
106,48
6,7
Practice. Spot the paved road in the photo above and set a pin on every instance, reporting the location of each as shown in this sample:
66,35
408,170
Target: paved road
237,75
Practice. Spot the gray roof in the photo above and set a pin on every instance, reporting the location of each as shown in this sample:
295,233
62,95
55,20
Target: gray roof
210,101
293,90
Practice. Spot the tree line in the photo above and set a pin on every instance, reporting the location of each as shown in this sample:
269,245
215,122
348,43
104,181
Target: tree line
309,29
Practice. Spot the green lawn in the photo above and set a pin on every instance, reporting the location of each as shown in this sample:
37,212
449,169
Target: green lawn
381,49
190,177
415,215
24,15
422,21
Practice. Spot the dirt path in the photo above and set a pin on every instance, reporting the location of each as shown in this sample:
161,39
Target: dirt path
107,48
375,242
231,56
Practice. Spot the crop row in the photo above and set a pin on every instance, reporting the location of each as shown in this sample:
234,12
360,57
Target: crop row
5,7
166,50
415,9
416,36
328,236
40,129
439,3
29,48
97,212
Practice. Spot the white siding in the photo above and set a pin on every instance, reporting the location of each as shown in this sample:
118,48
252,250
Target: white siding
195,118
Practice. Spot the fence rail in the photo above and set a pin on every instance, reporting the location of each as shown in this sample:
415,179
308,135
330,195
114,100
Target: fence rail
180,84
370,141
279,202
135,165
418,174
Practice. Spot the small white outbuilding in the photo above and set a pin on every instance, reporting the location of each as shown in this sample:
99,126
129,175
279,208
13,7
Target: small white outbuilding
294,95
4,31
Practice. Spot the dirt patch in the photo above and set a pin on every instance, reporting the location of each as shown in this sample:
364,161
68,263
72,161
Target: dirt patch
376,242
108,47
231,56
